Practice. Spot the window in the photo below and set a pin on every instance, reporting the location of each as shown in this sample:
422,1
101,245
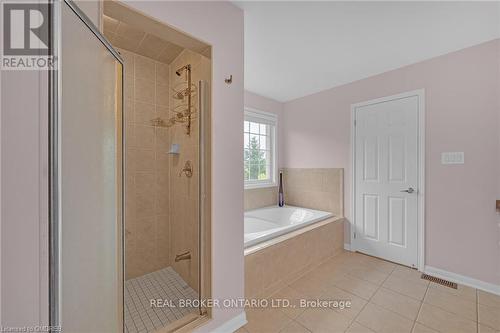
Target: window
259,152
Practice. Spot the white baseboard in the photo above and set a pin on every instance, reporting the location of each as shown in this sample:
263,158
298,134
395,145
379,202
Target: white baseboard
461,279
347,247
233,324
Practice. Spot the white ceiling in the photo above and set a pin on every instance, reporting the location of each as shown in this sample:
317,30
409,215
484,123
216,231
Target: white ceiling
293,49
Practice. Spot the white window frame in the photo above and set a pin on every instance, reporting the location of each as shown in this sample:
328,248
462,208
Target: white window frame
271,119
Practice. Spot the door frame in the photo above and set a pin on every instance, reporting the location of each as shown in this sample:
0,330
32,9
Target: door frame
420,93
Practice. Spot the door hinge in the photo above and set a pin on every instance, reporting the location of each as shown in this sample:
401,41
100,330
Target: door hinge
354,122
354,235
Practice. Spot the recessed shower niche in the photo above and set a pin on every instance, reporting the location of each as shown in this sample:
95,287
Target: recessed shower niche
167,77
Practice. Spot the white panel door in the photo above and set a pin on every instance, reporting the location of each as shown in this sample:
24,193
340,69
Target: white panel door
386,179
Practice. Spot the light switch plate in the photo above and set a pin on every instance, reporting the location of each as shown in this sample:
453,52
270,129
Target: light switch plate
456,157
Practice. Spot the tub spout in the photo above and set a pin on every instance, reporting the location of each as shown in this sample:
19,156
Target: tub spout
183,256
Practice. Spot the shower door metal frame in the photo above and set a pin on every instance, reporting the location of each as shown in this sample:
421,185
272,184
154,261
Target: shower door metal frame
202,96
54,171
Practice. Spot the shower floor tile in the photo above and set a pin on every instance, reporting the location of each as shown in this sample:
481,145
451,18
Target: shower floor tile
165,284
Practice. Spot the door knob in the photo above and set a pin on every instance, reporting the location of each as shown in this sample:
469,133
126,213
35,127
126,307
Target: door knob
409,190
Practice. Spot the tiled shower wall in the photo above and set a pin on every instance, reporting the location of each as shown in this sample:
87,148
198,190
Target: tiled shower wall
147,172
183,212
161,204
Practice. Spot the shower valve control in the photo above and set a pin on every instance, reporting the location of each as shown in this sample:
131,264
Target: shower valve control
187,169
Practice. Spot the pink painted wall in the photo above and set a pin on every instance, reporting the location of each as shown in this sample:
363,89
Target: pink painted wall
221,25
462,114
261,103
23,178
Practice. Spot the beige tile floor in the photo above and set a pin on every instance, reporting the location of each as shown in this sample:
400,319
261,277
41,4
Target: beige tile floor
385,297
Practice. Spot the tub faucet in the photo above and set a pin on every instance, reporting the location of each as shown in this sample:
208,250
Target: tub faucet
183,256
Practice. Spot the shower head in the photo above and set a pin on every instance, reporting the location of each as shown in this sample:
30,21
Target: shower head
180,70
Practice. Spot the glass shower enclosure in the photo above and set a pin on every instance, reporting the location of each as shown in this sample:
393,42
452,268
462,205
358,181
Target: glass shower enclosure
86,191
95,254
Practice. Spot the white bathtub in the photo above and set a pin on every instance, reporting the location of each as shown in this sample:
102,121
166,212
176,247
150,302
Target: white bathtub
266,223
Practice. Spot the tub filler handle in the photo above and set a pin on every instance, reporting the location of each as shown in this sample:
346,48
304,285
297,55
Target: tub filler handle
183,256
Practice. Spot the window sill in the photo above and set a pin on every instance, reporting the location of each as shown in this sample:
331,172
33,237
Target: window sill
260,185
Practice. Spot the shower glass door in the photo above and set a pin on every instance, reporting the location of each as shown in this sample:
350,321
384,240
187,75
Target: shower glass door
86,224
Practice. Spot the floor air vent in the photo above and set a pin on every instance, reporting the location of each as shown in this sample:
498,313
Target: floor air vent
439,281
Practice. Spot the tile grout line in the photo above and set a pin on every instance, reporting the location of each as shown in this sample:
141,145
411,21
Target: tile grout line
448,310
380,286
420,308
296,322
477,313
165,284
396,292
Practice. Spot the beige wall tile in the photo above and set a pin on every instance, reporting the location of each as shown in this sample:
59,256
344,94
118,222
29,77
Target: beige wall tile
110,24
152,46
129,88
162,95
155,192
308,286
269,268
129,31
320,189
183,191
310,188
124,36
145,68
260,197
169,53
162,74
147,192
144,90
144,113
128,106
128,62
125,42
144,137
